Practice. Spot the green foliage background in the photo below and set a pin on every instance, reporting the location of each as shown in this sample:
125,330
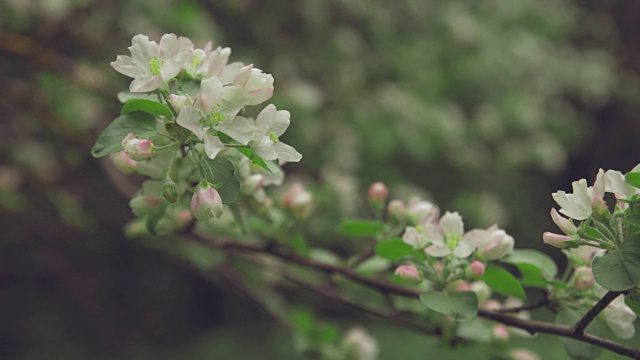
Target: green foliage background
487,105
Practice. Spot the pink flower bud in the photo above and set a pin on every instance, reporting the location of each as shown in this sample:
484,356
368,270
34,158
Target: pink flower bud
378,193
557,240
138,149
409,274
206,202
501,332
123,163
396,209
499,245
298,201
563,223
583,276
475,270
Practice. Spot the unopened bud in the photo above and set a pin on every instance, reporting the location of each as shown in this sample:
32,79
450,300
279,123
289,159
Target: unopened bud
396,209
138,149
523,354
179,101
252,183
144,204
378,193
123,163
206,202
501,332
359,345
170,191
559,241
298,201
583,276
483,292
563,223
475,270
409,274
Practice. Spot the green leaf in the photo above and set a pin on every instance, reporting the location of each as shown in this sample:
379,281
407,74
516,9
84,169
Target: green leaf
633,179
360,227
393,249
633,219
140,124
633,304
153,218
461,305
124,96
222,171
298,244
619,270
579,350
150,107
501,281
532,276
533,257
269,165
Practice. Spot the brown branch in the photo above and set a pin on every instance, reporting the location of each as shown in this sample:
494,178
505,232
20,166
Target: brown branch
594,311
390,288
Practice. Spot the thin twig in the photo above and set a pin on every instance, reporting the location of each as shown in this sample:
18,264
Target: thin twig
594,311
390,288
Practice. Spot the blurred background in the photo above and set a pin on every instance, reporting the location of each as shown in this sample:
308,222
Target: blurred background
485,107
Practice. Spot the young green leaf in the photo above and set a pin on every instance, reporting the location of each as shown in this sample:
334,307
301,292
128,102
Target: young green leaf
269,165
360,227
393,249
535,258
501,281
619,270
147,106
140,124
461,305
633,179
221,171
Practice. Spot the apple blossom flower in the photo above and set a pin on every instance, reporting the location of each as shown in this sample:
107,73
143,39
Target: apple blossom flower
206,202
420,212
271,124
620,318
448,237
151,65
298,200
492,243
415,236
408,273
138,149
396,209
211,112
584,200
251,86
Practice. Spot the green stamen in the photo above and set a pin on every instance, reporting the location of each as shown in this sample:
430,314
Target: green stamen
155,64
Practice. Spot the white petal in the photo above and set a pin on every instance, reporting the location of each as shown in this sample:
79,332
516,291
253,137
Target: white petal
616,184
432,234
212,145
189,118
240,129
265,118
451,223
264,149
259,96
281,122
146,83
126,66
437,250
464,249
243,75
210,94
143,50
286,153
229,72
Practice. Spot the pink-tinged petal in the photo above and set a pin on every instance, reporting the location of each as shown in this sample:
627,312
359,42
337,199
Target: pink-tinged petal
286,153
564,224
143,51
126,66
260,95
217,60
212,145
229,72
189,118
437,250
146,83
243,75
